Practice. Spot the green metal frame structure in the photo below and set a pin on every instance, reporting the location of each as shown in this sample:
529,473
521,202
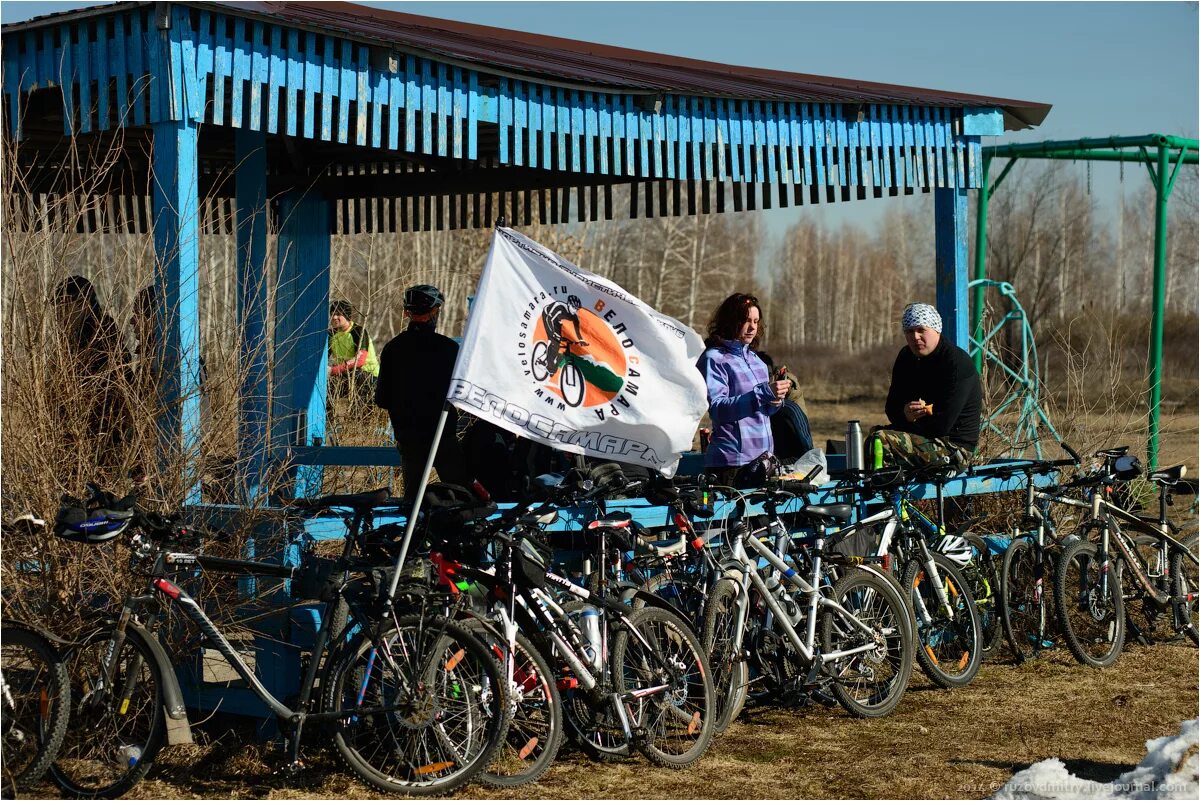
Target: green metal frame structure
1159,153
1026,391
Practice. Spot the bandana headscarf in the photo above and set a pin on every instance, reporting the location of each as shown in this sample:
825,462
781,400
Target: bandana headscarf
921,315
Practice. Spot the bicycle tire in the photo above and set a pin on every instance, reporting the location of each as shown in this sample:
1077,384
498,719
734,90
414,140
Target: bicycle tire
1026,612
577,386
535,729
683,594
983,576
873,600
948,650
109,748
1185,583
37,701
537,365
441,683
677,723
1093,627
730,671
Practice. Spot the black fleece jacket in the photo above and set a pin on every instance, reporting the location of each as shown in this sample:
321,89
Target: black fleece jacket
945,378
414,377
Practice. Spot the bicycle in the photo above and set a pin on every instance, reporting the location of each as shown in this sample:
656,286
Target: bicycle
629,678
864,655
35,700
570,375
414,701
1026,616
1089,593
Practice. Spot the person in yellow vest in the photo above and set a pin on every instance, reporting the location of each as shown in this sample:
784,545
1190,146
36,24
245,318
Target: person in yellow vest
353,366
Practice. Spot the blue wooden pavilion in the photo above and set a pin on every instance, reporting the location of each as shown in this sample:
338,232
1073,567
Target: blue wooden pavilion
309,119
315,118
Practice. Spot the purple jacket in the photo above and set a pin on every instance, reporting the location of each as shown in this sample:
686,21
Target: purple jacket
739,403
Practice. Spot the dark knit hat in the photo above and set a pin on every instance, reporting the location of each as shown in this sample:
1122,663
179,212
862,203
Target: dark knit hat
343,308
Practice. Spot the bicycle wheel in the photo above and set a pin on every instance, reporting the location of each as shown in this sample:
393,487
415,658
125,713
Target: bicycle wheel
677,589
983,577
36,703
536,728
677,722
422,707
868,684
948,650
116,728
571,383
1025,609
537,362
1093,619
730,672
1185,587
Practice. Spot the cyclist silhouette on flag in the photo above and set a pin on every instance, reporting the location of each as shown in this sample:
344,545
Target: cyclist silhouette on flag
554,316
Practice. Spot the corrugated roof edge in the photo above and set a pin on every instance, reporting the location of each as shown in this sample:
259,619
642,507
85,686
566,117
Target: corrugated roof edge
562,60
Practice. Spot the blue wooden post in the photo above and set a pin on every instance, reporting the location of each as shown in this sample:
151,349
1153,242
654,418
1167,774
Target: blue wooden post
175,192
950,249
301,329
250,156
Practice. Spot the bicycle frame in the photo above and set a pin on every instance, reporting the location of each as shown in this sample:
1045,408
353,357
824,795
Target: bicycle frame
805,646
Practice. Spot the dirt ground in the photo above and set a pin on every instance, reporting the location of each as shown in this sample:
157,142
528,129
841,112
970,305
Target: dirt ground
938,744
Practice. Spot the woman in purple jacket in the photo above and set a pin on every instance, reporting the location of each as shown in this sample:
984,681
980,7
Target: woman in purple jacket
741,393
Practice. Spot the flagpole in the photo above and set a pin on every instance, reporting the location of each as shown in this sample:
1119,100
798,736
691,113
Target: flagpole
416,507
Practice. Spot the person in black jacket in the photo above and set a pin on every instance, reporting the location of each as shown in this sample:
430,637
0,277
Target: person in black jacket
414,377
935,400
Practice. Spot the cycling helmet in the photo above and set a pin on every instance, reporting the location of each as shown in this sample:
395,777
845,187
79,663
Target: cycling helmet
956,549
76,524
423,298
574,302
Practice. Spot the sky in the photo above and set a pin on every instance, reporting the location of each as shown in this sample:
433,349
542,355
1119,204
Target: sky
1108,68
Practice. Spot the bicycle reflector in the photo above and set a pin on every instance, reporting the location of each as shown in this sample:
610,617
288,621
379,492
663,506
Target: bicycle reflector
167,588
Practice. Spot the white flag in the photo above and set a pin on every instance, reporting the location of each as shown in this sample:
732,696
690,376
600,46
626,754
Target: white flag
567,358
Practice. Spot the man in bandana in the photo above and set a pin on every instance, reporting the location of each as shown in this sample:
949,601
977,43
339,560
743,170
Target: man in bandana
935,399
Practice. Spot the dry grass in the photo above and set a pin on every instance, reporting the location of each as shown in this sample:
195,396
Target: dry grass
938,744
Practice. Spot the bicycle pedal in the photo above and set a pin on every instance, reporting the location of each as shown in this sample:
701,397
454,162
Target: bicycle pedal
289,770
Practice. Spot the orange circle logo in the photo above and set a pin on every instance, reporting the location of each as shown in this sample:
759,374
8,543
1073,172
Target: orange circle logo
577,356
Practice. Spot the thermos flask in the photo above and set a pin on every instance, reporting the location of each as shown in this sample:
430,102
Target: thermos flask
854,446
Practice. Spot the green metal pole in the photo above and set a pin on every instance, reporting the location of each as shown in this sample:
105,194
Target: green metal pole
1160,291
980,262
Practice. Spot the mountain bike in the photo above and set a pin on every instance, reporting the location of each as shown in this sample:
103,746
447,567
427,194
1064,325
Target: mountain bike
1089,589
863,657
1026,612
414,701
629,678
950,639
35,699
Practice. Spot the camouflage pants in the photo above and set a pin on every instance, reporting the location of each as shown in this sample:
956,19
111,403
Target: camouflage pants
909,450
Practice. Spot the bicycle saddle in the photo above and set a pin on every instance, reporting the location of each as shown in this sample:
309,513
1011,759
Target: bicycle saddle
836,512
357,500
1168,476
612,520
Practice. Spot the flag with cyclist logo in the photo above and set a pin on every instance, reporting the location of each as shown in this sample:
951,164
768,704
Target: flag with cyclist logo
570,359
